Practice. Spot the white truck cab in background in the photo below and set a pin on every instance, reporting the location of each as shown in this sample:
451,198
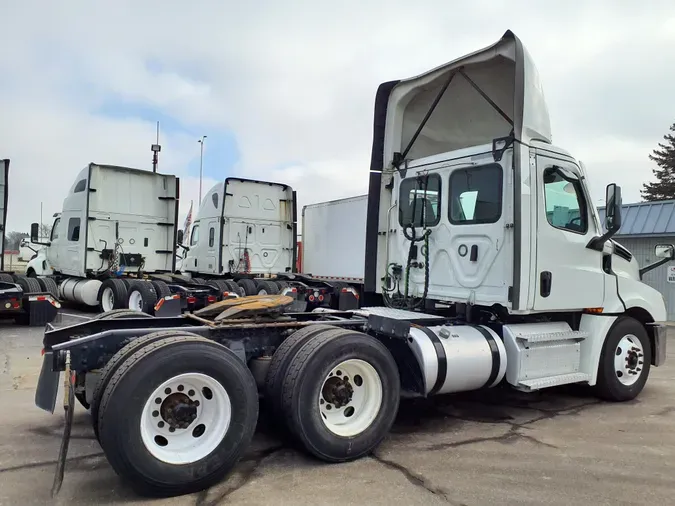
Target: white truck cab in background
115,222
244,229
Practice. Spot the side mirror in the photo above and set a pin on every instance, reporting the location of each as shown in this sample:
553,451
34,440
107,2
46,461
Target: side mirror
613,210
34,232
179,237
664,251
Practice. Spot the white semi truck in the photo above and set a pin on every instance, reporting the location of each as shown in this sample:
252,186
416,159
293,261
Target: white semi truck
490,265
113,244
244,233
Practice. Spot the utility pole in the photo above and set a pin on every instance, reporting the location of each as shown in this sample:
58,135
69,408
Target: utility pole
201,165
40,221
155,148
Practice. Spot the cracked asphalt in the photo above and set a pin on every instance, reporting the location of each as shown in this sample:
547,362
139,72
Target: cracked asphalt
556,447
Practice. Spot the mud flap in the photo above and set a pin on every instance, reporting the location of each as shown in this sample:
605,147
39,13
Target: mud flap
41,310
69,407
168,306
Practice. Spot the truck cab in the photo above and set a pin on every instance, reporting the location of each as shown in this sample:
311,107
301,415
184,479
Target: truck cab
472,202
243,227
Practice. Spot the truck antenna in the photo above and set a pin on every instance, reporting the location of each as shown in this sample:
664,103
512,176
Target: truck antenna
155,148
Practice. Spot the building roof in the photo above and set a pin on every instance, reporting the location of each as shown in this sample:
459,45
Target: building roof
645,219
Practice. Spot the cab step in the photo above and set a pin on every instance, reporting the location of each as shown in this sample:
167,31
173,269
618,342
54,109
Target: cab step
541,355
552,336
553,381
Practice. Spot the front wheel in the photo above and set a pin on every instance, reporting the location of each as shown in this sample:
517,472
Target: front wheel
341,395
624,362
173,427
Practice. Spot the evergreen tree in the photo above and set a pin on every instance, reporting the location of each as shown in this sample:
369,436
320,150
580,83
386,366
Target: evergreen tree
664,156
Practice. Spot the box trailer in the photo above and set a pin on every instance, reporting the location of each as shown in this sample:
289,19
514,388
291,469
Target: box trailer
334,239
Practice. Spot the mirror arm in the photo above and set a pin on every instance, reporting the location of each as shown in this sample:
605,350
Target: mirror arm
653,266
598,242
185,248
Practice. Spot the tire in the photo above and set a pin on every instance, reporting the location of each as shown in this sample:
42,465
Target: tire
367,360
199,281
219,285
234,287
267,288
125,404
248,285
161,289
119,314
48,285
117,360
282,285
115,291
142,297
281,360
615,384
28,285
7,278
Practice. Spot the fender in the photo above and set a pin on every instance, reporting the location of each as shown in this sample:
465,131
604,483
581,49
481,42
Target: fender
39,265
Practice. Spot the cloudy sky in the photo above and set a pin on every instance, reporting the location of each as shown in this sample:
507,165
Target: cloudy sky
284,90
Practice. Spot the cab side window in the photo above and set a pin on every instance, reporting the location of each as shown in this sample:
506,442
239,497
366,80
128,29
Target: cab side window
55,229
195,235
565,201
420,196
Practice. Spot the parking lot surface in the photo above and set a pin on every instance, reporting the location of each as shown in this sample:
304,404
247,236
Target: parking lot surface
556,447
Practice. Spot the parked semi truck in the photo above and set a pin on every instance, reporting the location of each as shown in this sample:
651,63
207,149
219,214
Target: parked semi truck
480,234
113,244
27,301
244,234
244,240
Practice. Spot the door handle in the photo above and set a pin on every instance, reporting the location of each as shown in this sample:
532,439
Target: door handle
474,253
545,281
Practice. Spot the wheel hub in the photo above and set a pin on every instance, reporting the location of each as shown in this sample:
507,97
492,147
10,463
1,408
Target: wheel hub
179,411
338,391
629,360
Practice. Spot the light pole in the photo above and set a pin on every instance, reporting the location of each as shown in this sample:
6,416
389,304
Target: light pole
201,165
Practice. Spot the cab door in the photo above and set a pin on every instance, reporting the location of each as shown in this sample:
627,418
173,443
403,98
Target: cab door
569,276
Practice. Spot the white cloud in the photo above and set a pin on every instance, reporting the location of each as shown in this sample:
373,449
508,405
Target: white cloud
295,81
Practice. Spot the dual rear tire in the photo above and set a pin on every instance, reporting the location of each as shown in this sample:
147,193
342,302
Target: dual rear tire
336,390
171,427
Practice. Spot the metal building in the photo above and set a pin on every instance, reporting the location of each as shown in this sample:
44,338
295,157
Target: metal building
644,225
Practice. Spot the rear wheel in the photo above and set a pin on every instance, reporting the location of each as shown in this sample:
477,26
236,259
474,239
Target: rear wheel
161,289
142,297
248,286
48,285
117,360
199,281
112,295
173,427
624,362
267,288
281,361
235,288
116,314
219,285
28,285
341,395
7,278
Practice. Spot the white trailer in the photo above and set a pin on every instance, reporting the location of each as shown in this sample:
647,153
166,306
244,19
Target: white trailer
334,239
490,264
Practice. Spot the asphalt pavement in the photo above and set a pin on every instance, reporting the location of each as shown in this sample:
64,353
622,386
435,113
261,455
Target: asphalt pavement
556,447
